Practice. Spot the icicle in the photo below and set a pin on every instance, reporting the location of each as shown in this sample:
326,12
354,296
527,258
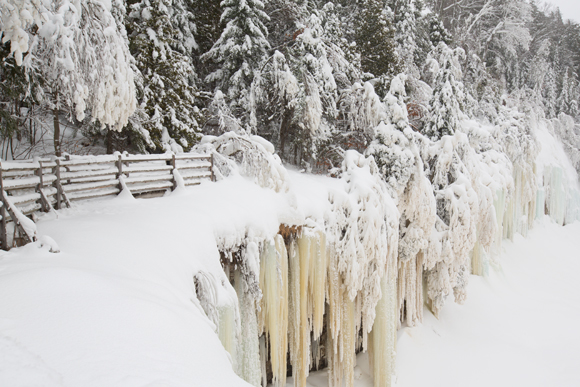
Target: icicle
248,351
540,203
410,291
263,358
227,330
280,350
318,277
294,306
478,260
334,299
274,285
301,367
349,335
499,206
557,196
384,334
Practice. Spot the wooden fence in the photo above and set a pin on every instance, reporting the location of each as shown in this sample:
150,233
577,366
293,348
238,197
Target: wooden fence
29,186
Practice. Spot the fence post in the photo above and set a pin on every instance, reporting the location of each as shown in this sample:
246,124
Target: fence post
211,168
57,183
174,165
40,185
119,166
3,232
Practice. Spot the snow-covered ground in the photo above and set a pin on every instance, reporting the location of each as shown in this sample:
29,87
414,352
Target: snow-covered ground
115,307
518,327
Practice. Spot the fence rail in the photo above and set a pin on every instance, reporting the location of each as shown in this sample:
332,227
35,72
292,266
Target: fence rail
35,185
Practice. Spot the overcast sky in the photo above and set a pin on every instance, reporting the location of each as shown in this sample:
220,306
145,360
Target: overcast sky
570,8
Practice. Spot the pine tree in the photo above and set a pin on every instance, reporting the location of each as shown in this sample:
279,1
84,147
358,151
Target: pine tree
567,101
207,15
448,101
374,38
406,32
550,93
168,92
17,90
240,50
437,31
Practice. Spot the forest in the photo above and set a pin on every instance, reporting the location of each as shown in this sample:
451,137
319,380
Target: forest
309,76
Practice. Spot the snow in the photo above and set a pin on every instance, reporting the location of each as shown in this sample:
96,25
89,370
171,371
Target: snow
520,318
117,306
517,327
131,292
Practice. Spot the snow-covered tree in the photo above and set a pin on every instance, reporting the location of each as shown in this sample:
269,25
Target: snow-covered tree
296,93
240,50
374,36
567,102
405,25
550,93
449,99
168,95
396,151
81,55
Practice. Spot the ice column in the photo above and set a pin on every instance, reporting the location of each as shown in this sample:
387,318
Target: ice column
248,362
274,311
383,337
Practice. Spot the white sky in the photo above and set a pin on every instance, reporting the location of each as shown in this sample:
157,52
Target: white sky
570,8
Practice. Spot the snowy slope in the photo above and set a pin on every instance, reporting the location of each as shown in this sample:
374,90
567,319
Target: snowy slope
116,307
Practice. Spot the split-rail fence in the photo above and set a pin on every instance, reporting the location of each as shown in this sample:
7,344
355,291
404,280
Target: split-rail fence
29,186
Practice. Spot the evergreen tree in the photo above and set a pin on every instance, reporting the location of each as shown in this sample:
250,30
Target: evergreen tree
207,15
550,93
374,38
18,90
567,101
240,50
437,31
448,101
406,33
167,94
184,25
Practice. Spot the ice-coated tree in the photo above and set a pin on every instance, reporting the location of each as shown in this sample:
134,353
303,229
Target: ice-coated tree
168,92
240,50
550,93
449,99
81,55
568,100
374,38
405,24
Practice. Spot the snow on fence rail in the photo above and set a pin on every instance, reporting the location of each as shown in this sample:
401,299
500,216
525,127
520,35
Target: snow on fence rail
43,184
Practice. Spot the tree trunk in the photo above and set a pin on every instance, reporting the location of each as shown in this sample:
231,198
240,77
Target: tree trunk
57,150
109,141
284,126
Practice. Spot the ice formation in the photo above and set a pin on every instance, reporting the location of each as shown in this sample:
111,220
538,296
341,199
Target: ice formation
412,212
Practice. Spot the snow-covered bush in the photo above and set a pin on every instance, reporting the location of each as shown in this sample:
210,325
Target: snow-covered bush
250,156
